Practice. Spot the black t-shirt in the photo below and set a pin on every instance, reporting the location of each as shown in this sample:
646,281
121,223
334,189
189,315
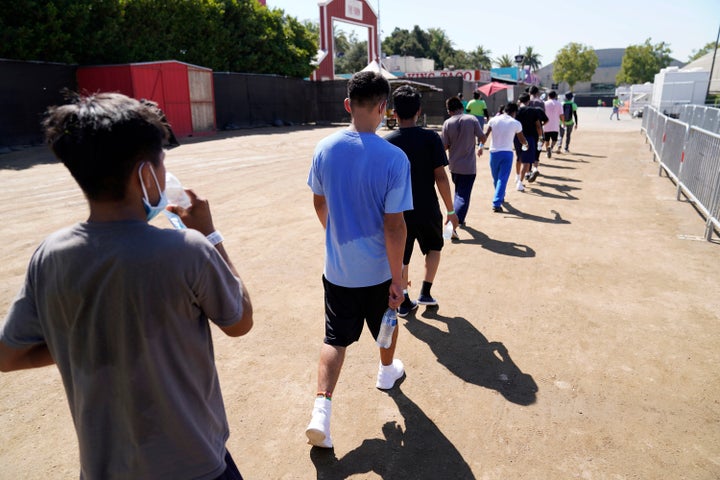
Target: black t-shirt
426,152
527,116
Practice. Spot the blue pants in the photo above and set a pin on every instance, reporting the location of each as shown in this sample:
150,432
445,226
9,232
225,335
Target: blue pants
463,189
500,167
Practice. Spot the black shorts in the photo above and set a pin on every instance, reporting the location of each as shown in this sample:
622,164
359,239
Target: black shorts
551,136
347,309
428,235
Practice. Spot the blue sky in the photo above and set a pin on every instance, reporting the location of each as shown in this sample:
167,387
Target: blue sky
505,27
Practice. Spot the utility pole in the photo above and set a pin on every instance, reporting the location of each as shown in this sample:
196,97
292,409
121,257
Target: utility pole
712,65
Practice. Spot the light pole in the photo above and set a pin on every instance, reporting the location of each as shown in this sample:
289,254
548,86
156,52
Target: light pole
519,58
712,66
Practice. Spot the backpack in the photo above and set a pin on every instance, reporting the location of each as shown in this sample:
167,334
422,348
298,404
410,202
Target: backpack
568,111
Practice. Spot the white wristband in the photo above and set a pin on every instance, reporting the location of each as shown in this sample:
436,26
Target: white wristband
215,237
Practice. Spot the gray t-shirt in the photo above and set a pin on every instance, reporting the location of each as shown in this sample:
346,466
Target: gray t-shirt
124,309
460,134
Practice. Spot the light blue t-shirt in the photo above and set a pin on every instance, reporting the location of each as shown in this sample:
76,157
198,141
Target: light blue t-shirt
362,177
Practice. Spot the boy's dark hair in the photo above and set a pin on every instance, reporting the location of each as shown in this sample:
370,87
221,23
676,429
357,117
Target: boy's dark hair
367,89
453,104
552,94
476,95
524,98
534,90
511,108
100,138
407,102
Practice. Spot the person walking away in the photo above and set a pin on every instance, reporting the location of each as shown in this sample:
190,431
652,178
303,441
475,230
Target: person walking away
462,99
478,107
424,222
615,108
553,110
460,134
502,130
361,187
571,120
531,119
536,102
122,307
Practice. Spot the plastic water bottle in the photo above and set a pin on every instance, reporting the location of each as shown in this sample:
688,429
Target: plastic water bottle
175,192
387,326
540,145
524,148
447,231
176,196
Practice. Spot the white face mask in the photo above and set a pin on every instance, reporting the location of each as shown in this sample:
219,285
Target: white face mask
152,211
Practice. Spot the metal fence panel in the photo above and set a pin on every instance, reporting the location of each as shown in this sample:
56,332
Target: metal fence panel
686,113
700,174
711,122
691,156
672,151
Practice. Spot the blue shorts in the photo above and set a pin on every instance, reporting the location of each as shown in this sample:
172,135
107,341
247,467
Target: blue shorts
348,309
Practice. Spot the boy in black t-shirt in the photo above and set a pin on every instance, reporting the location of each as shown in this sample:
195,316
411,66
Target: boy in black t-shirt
426,153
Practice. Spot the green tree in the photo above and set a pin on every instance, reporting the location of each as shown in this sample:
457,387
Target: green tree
532,59
441,48
480,58
709,47
504,61
574,63
225,35
413,43
641,62
354,58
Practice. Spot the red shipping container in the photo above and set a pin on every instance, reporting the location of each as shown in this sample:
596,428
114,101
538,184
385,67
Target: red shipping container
183,91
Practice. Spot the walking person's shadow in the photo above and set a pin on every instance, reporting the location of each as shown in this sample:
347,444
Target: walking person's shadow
421,451
470,356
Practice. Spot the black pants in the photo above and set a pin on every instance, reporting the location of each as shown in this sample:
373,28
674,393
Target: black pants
231,471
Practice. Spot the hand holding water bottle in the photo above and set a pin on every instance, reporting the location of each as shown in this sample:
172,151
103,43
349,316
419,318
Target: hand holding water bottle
190,210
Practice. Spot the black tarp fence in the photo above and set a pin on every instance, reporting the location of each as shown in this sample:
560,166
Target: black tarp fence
26,90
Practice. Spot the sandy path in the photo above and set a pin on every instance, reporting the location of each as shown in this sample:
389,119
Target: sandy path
576,335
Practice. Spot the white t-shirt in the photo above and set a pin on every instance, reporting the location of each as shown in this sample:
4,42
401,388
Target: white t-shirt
504,127
553,110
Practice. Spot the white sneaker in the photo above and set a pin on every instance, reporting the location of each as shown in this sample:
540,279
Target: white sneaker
318,430
388,375
520,187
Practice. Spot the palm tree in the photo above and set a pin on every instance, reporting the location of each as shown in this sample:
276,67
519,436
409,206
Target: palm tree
504,61
532,59
480,58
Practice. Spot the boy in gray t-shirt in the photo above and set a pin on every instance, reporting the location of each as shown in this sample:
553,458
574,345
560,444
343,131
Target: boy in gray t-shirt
122,307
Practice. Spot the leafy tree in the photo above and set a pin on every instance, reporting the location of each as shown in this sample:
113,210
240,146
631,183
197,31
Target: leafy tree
532,59
641,62
709,47
407,43
574,63
441,48
480,58
225,35
504,61
355,56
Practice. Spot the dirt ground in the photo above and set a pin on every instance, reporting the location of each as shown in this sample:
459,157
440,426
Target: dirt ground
576,337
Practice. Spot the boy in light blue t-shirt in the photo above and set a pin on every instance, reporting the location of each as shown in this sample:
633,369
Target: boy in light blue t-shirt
361,187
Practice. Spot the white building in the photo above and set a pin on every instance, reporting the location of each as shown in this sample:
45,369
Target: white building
397,63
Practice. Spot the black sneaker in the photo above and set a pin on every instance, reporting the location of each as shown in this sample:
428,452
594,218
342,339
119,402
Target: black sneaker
404,309
426,300
533,175
549,153
497,209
